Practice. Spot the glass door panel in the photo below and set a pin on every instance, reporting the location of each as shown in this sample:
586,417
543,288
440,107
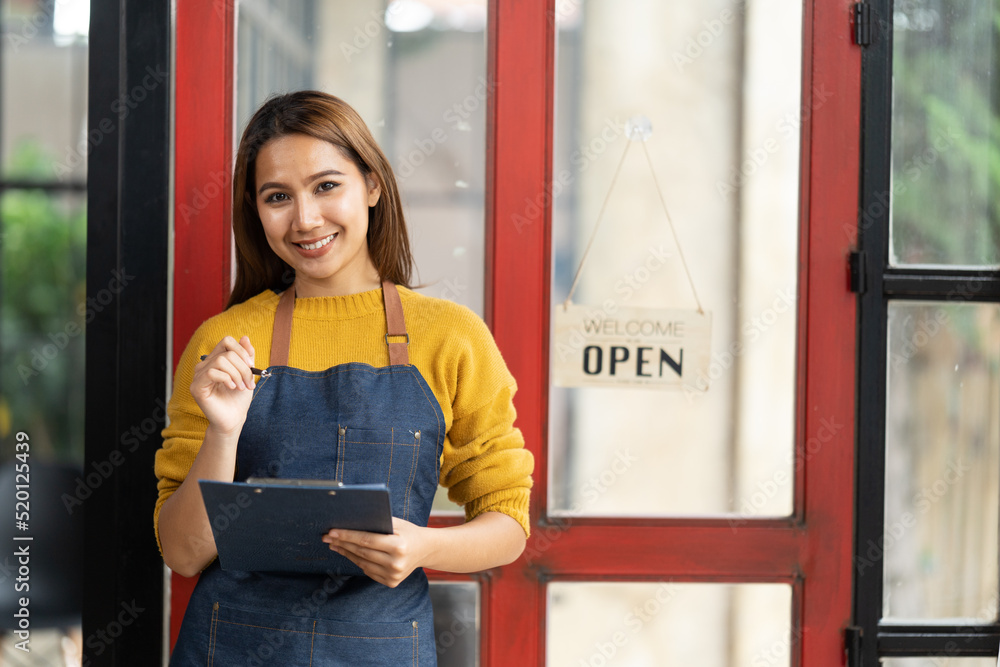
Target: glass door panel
723,97
668,623
944,135
942,462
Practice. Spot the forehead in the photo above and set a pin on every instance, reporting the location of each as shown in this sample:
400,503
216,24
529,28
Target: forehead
299,155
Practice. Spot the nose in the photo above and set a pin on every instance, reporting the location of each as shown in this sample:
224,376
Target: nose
308,214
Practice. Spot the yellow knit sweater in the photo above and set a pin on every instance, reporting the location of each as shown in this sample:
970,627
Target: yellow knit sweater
484,465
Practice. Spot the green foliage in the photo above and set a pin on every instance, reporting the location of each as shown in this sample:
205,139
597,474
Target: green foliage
42,284
945,136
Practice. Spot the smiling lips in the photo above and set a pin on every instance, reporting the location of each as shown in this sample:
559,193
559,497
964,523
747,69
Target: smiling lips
318,244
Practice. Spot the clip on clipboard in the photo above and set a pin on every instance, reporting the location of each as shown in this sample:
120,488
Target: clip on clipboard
276,525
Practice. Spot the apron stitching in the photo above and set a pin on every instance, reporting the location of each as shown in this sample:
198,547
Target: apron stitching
319,375
312,644
211,634
392,430
313,632
435,408
341,447
409,484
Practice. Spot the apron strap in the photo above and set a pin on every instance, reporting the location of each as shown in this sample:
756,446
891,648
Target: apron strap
281,335
395,325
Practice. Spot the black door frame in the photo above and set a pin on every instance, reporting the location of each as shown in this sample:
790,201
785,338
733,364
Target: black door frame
128,220
878,283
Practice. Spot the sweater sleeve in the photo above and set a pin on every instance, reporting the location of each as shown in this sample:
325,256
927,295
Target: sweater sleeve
185,429
485,465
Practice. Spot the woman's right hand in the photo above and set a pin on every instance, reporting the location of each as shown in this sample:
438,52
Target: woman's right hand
223,385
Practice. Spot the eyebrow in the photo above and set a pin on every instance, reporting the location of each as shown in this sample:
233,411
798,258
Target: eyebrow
310,179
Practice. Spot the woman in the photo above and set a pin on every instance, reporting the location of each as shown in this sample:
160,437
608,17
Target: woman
369,382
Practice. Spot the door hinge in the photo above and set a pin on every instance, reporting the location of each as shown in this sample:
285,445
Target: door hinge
859,273
852,645
862,24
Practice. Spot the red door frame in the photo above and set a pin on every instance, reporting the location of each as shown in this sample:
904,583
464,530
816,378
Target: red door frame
812,549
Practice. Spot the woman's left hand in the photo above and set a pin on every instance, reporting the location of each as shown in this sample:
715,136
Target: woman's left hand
388,559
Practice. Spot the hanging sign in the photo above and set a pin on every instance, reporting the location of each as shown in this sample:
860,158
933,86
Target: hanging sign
639,347
643,347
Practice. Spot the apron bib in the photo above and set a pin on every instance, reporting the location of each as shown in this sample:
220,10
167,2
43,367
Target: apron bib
357,424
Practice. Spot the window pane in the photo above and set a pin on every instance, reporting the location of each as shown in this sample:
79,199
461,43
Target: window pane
44,101
417,75
42,318
942,462
456,622
666,623
944,135
720,84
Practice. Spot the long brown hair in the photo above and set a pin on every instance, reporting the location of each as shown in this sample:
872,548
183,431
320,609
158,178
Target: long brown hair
322,116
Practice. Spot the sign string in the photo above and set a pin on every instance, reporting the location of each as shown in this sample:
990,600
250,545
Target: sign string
600,217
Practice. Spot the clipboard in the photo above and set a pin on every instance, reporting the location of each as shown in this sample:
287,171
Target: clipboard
276,525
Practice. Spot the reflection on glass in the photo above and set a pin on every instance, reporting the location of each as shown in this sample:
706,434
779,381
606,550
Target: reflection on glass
942,456
723,96
416,72
944,135
456,622
667,623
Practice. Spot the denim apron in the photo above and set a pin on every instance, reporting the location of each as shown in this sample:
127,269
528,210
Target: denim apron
354,423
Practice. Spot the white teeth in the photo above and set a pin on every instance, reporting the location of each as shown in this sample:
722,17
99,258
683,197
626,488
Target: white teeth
318,244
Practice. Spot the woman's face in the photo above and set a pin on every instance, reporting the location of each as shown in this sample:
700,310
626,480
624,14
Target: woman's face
313,202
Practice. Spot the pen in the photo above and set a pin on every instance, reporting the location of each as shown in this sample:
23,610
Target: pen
253,369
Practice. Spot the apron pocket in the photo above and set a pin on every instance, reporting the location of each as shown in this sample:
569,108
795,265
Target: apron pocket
261,639
381,456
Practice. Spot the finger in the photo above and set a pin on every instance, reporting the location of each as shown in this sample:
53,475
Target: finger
237,364
225,378
224,371
230,344
360,553
245,344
